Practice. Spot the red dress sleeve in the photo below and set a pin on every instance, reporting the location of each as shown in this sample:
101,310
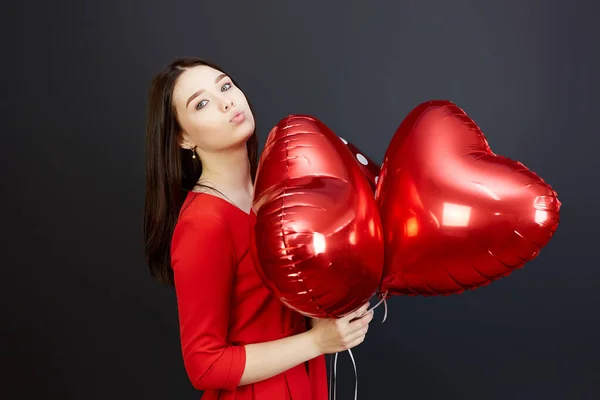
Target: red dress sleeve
203,262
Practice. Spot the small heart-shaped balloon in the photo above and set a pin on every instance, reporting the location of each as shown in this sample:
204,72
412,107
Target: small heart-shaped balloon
317,240
455,215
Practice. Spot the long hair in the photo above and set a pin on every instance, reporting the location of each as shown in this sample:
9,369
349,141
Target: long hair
170,170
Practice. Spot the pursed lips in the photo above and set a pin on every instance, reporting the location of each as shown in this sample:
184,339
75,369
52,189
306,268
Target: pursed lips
236,115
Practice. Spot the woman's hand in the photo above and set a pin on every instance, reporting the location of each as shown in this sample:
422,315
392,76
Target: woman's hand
327,336
336,335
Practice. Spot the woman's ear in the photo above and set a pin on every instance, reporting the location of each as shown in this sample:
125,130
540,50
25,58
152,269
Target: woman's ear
185,142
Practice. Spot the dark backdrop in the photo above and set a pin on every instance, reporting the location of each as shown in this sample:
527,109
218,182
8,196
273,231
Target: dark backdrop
81,318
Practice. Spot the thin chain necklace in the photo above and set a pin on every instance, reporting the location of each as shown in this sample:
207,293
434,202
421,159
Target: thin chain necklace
216,190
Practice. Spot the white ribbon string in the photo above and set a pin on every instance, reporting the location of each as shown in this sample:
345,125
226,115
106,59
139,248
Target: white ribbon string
333,360
383,296
333,387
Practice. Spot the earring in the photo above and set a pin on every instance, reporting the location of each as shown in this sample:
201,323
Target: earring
193,152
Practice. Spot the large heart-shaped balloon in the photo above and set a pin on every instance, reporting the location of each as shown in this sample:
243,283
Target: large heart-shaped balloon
317,240
455,215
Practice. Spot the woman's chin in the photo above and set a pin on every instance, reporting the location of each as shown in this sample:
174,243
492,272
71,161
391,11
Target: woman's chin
246,130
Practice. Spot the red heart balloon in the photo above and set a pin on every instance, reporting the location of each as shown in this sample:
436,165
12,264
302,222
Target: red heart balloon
455,215
317,240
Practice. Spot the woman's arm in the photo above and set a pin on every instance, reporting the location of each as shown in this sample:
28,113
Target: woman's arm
204,267
264,360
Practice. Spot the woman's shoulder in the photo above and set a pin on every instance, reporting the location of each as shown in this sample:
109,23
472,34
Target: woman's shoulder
201,206
201,221
202,214
200,234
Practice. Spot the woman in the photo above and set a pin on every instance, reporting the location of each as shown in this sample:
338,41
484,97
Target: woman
238,341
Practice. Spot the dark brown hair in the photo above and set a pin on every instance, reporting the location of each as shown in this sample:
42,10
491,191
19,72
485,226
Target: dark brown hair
170,170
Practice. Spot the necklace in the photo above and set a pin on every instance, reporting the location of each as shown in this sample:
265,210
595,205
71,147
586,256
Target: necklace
218,191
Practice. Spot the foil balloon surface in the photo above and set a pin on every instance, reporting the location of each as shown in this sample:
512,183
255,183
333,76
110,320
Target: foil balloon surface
455,215
317,239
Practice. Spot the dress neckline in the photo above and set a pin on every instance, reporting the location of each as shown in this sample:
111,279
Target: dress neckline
247,214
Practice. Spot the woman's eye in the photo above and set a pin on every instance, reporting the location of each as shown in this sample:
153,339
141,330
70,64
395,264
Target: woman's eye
225,87
201,104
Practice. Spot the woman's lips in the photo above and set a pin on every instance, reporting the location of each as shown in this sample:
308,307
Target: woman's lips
238,117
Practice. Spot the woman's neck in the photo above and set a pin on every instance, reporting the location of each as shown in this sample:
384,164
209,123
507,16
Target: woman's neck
229,173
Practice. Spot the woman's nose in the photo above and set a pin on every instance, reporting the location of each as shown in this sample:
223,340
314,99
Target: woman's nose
226,104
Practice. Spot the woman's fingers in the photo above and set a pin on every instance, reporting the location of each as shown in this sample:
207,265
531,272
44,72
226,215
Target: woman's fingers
359,323
356,314
357,338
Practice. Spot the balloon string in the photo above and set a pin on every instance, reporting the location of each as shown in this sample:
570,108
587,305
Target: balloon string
385,308
331,378
333,360
355,374
333,388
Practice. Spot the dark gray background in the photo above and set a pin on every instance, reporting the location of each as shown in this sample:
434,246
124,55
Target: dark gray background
81,317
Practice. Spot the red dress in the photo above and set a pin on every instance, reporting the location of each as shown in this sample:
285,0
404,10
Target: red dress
223,305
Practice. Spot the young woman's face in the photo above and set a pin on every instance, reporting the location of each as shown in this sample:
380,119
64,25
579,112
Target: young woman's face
213,113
